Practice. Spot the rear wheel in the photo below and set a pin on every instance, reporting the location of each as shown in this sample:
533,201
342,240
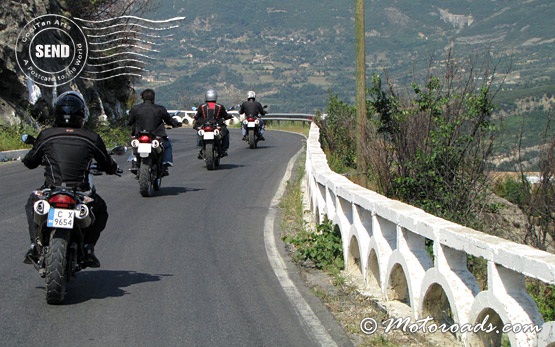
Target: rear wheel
145,180
252,141
56,264
209,156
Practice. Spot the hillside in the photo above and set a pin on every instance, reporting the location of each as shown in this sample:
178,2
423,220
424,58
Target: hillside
294,53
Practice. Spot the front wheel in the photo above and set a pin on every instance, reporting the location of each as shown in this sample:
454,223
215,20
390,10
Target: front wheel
56,267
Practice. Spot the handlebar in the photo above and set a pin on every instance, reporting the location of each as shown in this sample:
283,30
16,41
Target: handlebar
93,170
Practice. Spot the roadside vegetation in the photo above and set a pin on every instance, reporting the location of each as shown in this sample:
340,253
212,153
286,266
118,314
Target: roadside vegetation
431,145
317,249
10,135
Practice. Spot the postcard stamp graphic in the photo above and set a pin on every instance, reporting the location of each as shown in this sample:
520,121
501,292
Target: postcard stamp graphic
52,50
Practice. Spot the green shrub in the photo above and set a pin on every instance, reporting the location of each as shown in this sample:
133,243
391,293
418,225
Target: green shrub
323,247
10,136
544,295
337,132
514,190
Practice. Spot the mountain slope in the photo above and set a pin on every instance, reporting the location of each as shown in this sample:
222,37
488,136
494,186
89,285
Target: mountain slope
294,53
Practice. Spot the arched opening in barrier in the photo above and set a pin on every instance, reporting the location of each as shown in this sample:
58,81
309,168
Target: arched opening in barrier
373,271
398,287
354,266
437,305
488,329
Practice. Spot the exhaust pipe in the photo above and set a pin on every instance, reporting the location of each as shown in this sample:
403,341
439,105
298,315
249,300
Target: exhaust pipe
41,208
83,216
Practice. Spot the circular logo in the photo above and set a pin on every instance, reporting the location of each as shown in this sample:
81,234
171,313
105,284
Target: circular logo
51,50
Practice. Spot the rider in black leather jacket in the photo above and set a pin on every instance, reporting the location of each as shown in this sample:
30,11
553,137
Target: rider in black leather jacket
251,107
152,117
66,151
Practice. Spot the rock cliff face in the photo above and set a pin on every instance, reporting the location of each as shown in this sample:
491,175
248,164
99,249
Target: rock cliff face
13,86
106,99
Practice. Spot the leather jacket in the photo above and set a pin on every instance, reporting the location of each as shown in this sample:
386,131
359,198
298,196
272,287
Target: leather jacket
67,154
151,117
211,110
252,108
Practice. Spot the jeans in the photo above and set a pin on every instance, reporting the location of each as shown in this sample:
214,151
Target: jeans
167,157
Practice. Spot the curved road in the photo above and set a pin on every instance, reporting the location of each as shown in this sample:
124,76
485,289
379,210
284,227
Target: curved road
187,267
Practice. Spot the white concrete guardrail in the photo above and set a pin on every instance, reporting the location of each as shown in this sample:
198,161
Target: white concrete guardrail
384,243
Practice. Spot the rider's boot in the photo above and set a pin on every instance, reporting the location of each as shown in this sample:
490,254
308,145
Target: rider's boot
165,166
32,255
90,259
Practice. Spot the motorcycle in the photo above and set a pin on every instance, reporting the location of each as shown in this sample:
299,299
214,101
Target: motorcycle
61,214
147,157
211,143
252,125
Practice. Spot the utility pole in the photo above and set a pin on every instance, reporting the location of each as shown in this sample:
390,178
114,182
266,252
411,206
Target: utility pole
360,38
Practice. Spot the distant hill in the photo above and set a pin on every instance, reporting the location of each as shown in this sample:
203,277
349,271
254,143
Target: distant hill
293,53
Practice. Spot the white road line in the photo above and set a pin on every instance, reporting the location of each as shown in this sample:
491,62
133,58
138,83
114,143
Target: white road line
312,324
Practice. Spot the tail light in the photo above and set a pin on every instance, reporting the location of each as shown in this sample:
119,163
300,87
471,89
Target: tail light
62,201
250,119
208,128
144,139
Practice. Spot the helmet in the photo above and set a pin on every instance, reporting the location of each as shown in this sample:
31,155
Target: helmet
251,94
211,95
148,94
70,110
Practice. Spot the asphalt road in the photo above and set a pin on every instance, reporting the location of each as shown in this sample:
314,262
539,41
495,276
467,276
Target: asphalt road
189,266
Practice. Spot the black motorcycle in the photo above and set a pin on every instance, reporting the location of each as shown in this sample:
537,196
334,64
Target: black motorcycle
147,157
61,214
210,138
252,125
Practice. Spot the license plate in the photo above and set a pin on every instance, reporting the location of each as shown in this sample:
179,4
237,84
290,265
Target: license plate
209,136
144,148
251,125
60,218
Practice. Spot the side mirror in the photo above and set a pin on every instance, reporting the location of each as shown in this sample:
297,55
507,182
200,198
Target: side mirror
28,139
118,150
265,106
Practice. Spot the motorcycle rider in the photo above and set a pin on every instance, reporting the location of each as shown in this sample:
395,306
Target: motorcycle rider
152,117
67,151
212,110
251,107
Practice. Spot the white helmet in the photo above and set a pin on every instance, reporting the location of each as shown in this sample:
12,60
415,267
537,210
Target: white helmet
251,94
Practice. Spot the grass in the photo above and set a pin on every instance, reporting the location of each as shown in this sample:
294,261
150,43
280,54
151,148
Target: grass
292,126
10,136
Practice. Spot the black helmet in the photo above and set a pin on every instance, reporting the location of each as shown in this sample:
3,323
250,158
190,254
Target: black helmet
70,110
148,94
